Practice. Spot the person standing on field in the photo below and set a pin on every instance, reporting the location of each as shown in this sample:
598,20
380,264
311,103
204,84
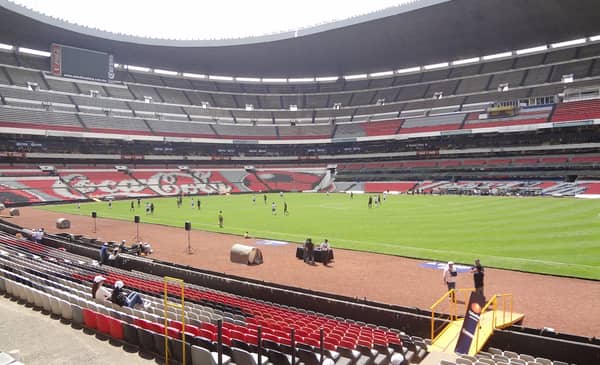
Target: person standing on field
220,219
478,274
449,278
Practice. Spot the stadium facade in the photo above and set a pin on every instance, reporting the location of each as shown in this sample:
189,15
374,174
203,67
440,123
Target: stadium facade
462,96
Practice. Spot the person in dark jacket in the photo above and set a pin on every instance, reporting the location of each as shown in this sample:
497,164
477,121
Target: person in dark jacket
104,254
309,251
131,300
478,274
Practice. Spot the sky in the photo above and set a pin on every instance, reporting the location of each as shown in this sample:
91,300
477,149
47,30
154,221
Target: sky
203,19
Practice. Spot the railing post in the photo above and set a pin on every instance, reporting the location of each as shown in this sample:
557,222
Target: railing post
432,324
259,335
220,342
321,345
293,342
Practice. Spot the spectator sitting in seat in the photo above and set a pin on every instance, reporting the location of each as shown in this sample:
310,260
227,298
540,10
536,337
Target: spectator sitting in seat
104,253
122,247
113,256
146,248
37,235
131,300
99,292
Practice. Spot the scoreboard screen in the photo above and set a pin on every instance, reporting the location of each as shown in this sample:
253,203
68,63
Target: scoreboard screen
81,63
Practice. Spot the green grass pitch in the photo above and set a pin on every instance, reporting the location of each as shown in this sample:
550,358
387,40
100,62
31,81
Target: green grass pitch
545,235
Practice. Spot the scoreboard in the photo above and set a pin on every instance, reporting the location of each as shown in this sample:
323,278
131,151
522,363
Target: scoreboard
81,63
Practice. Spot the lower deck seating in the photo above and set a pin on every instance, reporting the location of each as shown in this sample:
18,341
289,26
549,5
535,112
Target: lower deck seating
28,186
59,283
394,186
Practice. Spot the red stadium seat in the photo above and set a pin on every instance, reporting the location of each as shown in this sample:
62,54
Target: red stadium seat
102,323
116,328
89,318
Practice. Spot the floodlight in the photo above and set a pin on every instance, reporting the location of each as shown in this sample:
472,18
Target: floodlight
438,95
147,99
568,43
380,101
247,79
220,78
34,52
436,66
6,47
326,78
355,77
503,87
205,104
94,93
337,106
138,68
293,107
249,107
165,72
301,79
408,70
274,80
465,61
381,74
531,50
567,79
496,56
194,76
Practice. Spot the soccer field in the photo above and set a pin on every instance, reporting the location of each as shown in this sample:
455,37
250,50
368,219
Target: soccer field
545,235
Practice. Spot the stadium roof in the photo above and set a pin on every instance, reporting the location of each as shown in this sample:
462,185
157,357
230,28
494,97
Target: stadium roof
423,32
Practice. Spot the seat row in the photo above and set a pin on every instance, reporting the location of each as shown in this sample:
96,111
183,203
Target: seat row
149,336
494,356
229,331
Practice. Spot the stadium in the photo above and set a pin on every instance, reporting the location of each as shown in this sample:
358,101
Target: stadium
430,132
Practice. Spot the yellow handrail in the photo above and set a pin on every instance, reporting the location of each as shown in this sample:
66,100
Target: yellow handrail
452,293
181,306
494,301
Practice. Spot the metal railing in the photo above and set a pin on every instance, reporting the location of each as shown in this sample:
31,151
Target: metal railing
166,305
493,302
453,298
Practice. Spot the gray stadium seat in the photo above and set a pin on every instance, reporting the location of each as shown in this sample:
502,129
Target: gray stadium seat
243,357
201,356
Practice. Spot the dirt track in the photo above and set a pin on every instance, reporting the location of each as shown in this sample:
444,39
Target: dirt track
547,301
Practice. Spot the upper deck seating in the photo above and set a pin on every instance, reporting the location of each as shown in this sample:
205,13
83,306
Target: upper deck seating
305,131
577,110
381,128
530,115
39,119
433,123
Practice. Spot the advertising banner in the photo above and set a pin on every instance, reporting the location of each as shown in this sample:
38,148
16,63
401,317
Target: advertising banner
467,332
